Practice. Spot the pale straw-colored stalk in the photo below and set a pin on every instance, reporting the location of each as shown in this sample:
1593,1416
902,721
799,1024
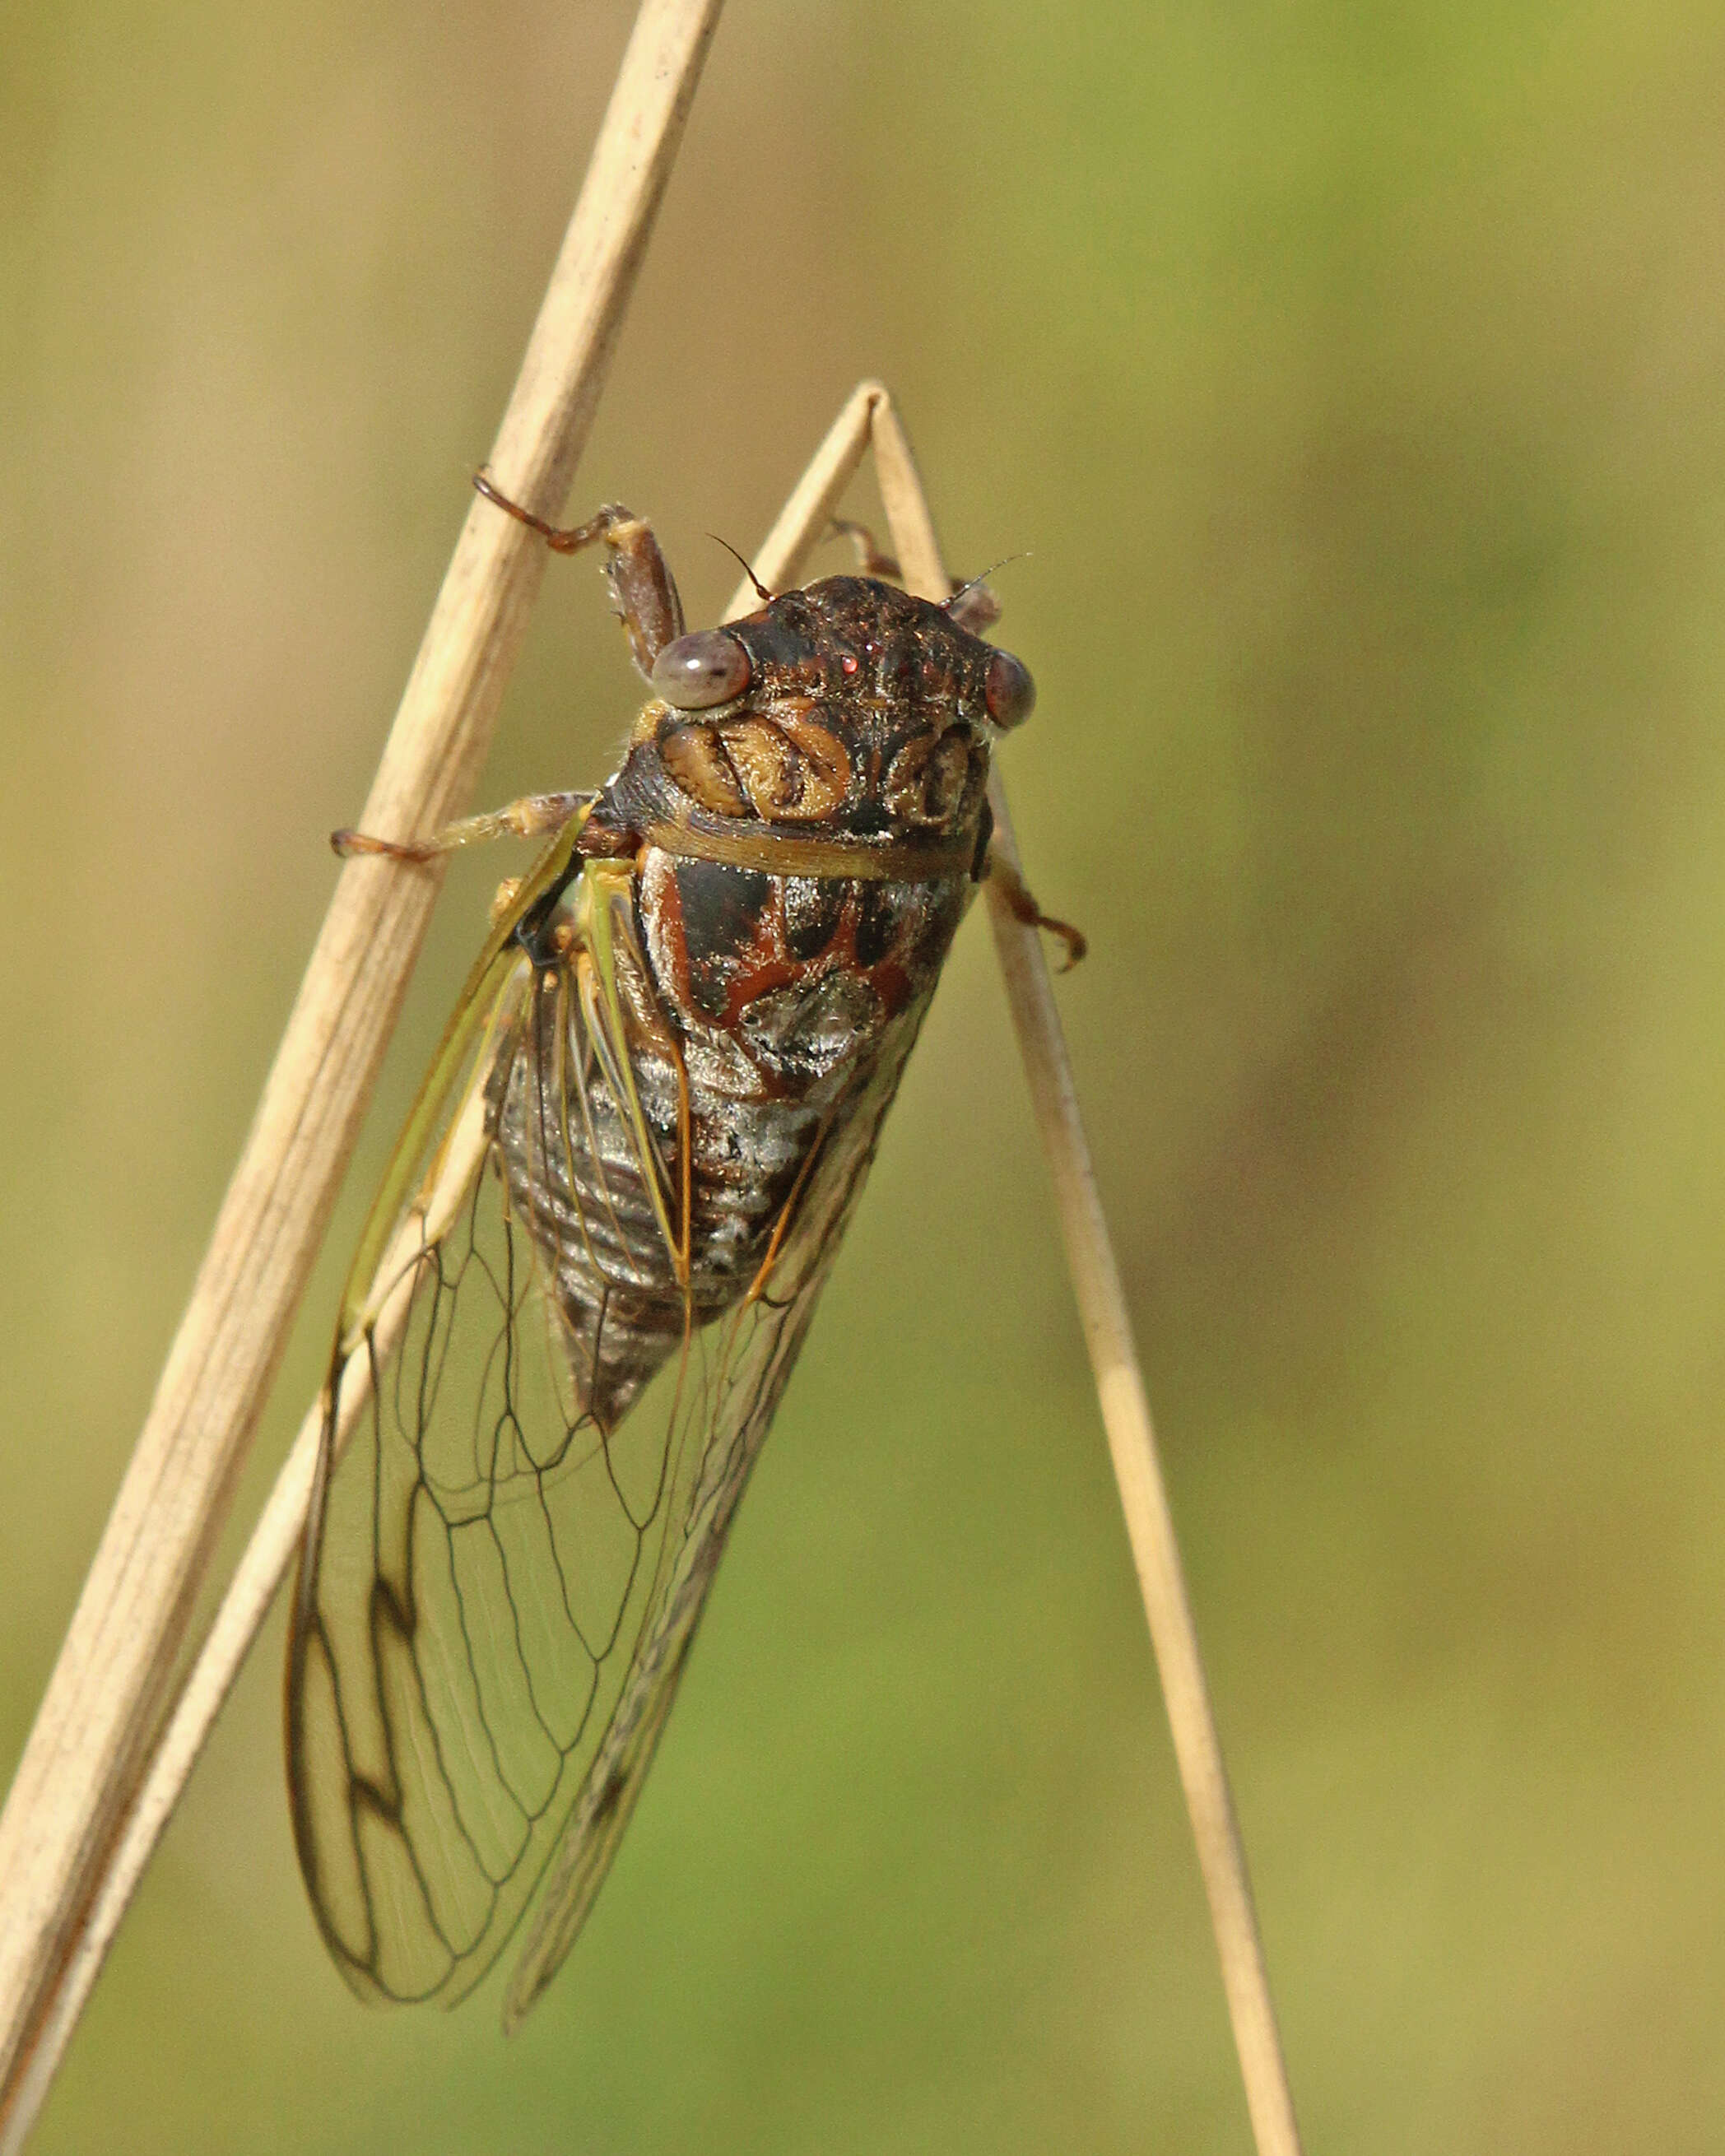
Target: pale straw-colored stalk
869,419
86,1755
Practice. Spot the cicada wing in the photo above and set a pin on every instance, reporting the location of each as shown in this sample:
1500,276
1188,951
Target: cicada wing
736,1372
481,1554
507,1564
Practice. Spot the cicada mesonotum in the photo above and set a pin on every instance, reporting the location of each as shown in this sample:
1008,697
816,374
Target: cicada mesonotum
600,1244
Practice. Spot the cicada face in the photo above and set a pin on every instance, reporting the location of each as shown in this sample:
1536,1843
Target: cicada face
635,1160
850,707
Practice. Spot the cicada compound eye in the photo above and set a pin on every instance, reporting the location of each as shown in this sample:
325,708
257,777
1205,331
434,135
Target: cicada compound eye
706,667
1009,692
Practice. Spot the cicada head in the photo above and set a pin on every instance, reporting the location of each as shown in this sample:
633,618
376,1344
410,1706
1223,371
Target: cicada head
850,706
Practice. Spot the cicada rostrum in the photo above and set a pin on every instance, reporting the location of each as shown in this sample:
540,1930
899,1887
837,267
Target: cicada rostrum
601,1242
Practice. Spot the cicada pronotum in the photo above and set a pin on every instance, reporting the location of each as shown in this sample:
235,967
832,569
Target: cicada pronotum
601,1241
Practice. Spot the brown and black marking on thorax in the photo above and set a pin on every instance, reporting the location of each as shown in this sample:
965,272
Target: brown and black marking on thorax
804,850
864,722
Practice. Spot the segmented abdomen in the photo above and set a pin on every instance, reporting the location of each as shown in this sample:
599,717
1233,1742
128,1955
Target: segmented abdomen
776,1029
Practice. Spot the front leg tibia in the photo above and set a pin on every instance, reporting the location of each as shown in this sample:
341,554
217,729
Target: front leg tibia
643,590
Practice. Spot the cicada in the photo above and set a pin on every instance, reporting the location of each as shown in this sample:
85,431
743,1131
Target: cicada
597,1251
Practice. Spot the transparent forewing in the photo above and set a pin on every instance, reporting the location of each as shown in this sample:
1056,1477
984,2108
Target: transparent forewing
480,1563
736,1371
507,1562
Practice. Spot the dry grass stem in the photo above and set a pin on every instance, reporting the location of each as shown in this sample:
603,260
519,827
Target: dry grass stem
1144,1496
1120,1386
274,1543
84,1758
871,419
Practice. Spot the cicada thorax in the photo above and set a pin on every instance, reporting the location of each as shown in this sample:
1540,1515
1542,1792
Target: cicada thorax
782,985
803,856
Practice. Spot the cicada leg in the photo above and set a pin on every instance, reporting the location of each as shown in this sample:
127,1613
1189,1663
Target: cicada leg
646,599
640,579
973,606
531,817
1023,908
870,559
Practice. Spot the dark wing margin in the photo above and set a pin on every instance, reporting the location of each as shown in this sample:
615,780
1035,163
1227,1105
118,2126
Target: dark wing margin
497,1596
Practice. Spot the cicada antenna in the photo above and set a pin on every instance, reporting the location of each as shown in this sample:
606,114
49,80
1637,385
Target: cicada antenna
973,606
761,590
1005,562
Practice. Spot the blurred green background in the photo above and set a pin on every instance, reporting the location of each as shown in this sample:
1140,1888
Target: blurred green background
1355,374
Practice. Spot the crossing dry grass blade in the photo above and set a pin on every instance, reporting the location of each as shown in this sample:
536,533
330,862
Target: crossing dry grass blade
870,420
1121,1391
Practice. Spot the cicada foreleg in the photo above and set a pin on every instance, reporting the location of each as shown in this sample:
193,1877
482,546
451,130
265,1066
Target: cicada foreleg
642,586
645,596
